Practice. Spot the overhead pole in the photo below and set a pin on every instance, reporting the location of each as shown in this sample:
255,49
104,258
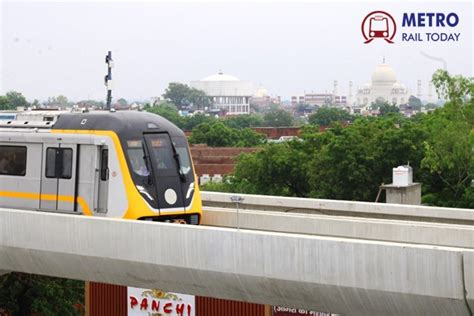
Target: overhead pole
108,78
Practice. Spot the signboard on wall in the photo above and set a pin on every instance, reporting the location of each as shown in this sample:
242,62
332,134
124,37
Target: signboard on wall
285,311
144,302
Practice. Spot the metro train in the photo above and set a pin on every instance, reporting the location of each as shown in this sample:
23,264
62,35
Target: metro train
124,164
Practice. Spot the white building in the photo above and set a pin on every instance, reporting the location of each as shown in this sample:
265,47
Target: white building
228,93
383,87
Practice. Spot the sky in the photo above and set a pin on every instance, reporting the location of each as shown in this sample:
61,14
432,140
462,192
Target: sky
53,48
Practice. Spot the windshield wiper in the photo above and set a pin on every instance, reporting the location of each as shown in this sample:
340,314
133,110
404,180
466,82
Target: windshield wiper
178,162
147,165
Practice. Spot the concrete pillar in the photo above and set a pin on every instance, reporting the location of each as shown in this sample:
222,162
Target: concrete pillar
409,194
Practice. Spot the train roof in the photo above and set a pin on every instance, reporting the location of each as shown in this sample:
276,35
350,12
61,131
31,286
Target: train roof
121,122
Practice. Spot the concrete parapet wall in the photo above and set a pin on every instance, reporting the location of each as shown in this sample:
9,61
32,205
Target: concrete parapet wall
354,277
342,208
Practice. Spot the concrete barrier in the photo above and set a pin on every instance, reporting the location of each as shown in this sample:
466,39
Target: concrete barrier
354,277
412,232
342,208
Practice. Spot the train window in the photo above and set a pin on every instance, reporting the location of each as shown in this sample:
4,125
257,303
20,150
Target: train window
182,149
104,165
13,160
137,161
59,163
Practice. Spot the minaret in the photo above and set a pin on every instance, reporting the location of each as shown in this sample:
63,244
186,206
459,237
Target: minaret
335,88
430,92
349,97
418,89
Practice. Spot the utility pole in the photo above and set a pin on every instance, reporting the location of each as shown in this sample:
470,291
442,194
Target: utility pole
108,78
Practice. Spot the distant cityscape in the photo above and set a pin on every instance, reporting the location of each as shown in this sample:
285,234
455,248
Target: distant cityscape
229,96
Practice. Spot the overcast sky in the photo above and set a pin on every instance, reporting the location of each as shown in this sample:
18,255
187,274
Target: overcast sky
52,48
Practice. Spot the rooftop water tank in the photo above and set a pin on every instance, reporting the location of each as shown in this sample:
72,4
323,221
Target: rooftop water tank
402,176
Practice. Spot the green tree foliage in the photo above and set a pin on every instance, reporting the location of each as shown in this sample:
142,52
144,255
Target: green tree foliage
449,147
27,294
414,102
181,95
12,100
60,100
93,103
351,162
169,112
243,121
4,105
277,118
325,116
386,109
35,103
279,169
190,122
122,102
217,134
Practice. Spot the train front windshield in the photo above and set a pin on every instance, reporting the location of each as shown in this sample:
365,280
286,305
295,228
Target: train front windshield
163,161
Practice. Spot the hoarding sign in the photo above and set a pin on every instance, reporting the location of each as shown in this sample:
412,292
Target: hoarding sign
144,302
285,311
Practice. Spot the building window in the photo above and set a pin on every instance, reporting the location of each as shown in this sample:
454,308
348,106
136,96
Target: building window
59,163
12,160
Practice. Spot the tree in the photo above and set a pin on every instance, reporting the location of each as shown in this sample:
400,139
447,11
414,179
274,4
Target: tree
277,118
92,104
243,121
16,99
217,134
169,112
35,103
325,116
62,100
198,99
4,104
122,102
279,169
190,122
27,294
352,162
449,148
388,109
181,95
414,102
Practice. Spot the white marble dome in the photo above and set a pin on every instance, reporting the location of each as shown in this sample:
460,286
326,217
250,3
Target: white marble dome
384,74
220,76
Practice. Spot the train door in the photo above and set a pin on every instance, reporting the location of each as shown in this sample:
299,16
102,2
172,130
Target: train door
165,169
103,180
58,177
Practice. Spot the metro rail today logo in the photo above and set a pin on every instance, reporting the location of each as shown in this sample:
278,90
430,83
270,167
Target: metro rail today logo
381,25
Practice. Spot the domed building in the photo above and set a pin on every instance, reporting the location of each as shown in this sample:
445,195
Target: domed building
383,87
229,94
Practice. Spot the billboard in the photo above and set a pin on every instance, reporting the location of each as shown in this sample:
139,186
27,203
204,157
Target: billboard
145,302
285,311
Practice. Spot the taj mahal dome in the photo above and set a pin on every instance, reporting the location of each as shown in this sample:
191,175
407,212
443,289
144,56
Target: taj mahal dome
383,87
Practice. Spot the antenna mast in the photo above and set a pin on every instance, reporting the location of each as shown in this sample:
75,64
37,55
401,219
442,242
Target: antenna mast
108,78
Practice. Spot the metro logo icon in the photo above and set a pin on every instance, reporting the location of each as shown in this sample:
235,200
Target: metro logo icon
378,24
